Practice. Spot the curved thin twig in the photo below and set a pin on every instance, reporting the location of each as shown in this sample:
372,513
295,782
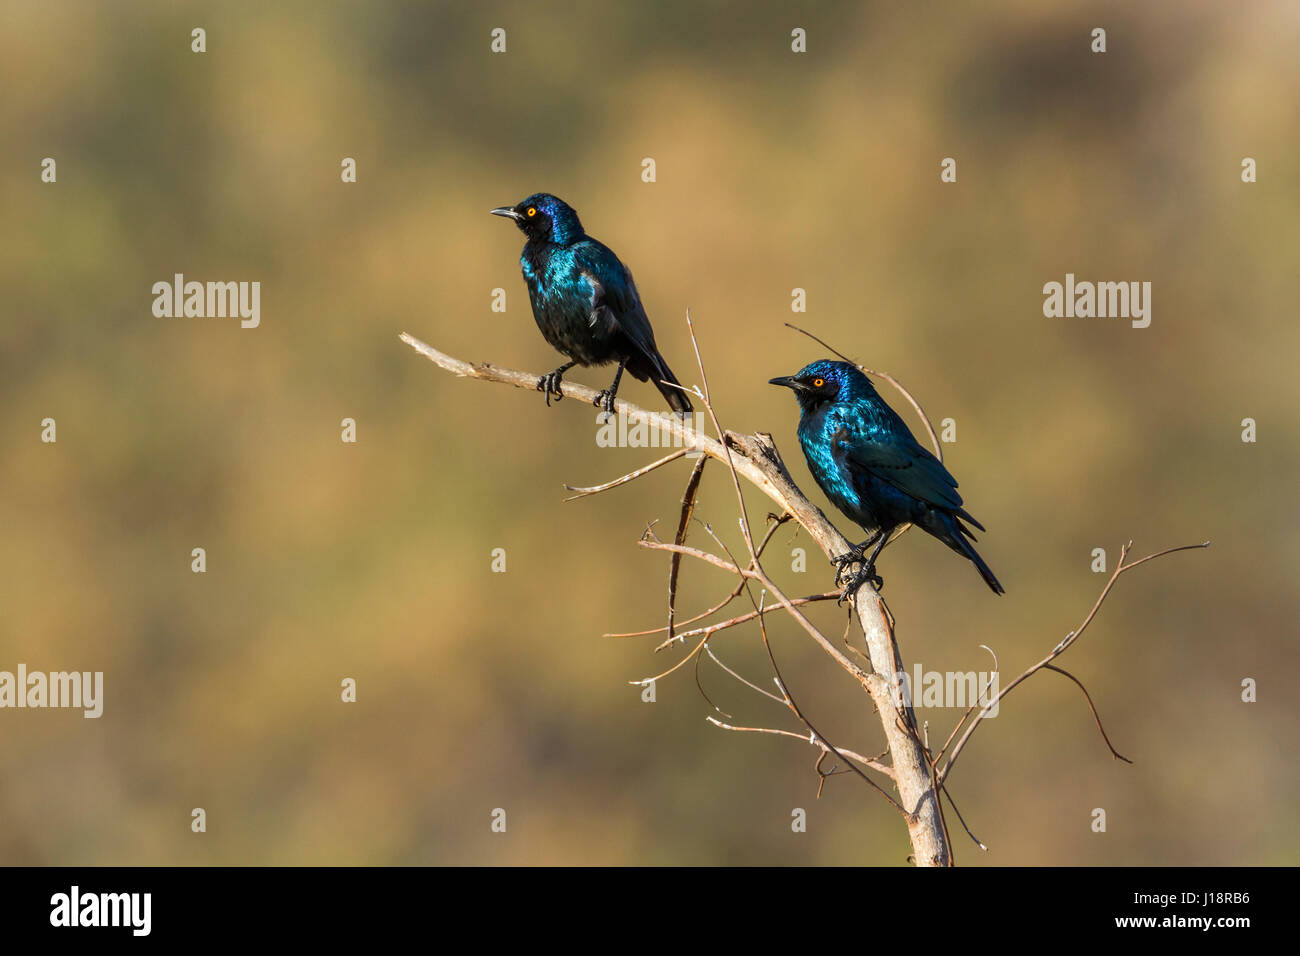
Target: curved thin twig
630,476
1060,649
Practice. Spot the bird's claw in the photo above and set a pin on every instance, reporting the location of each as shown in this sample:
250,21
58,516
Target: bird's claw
549,384
605,401
862,576
852,556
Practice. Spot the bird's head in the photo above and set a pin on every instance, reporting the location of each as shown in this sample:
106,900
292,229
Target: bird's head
545,218
825,381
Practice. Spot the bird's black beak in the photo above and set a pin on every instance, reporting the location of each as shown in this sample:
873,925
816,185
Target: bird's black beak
786,380
508,212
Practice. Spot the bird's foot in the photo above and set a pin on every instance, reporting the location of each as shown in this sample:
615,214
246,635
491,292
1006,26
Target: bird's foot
852,556
549,384
864,575
605,400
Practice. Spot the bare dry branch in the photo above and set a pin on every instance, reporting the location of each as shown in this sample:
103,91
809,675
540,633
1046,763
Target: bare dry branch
1095,716
688,509
776,522
815,734
1060,649
630,476
809,738
745,618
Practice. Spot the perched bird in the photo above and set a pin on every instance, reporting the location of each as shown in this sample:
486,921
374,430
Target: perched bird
865,459
585,302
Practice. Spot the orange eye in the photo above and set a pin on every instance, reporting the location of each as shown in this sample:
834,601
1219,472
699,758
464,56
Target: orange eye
532,211
818,382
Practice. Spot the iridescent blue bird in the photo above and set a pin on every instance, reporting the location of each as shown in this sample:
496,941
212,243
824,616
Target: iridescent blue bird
869,465
585,302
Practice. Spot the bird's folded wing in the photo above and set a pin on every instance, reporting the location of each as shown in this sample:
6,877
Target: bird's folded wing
903,463
615,305
602,319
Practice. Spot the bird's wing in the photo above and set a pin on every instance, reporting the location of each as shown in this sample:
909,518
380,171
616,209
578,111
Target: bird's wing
897,459
615,304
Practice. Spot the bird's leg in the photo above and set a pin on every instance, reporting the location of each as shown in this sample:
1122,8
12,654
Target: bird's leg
605,397
550,382
868,571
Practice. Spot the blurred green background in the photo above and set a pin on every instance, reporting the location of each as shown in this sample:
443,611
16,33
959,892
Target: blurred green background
478,690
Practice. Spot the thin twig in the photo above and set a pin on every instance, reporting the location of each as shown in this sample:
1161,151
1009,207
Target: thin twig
777,521
1060,649
630,476
816,734
675,564
1095,716
852,755
745,618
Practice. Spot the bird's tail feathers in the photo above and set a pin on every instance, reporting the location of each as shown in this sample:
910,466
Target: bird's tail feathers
949,529
969,518
656,370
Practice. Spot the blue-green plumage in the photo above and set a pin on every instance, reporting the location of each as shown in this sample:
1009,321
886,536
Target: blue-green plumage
585,302
871,467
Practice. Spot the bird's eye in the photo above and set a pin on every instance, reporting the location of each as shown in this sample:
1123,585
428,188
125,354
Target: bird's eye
818,382
532,210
